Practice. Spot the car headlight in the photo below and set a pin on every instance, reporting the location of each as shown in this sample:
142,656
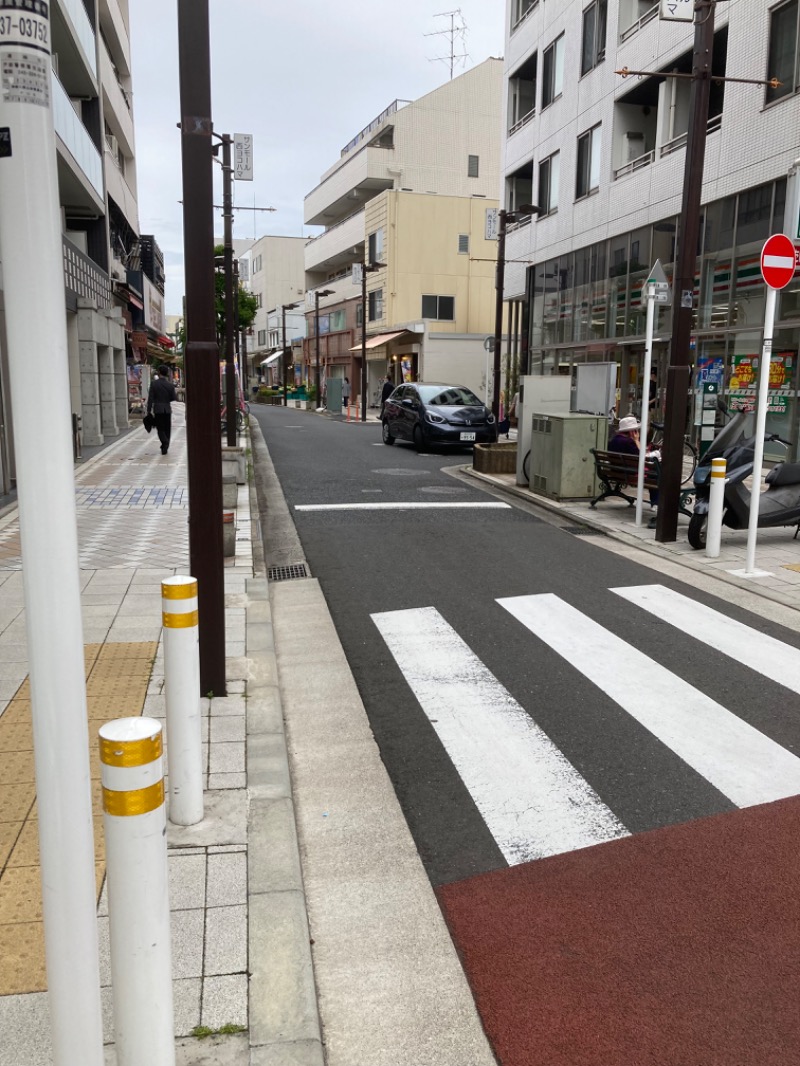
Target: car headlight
490,420
436,419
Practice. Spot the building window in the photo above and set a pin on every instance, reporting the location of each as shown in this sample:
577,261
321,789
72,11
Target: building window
442,308
593,50
553,71
359,314
259,300
375,242
256,264
473,163
375,305
337,320
784,36
588,176
463,244
262,338
522,94
548,184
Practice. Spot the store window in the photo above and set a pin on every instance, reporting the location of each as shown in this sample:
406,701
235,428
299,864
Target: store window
553,71
593,50
548,184
783,61
587,179
441,308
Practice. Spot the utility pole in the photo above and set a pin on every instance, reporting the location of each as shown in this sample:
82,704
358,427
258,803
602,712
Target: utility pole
236,329
285,366
230,364
679,370
317,295
201,361
504,217
366,268
31,246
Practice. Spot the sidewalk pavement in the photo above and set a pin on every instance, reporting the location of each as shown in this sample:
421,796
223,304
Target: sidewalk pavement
303,923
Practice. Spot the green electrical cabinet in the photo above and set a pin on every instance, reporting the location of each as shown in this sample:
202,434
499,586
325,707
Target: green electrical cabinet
562,465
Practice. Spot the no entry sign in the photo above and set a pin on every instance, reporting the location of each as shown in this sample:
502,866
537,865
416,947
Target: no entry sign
778,261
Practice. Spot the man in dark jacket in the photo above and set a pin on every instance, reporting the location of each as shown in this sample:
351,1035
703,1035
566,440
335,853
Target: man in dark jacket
159,404
386,392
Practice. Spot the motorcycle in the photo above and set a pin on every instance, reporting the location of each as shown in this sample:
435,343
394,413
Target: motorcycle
779,505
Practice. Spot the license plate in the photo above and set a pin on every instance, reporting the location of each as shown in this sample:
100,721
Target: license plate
468,436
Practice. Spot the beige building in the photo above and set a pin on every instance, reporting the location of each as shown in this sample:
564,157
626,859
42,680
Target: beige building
411,191
272,268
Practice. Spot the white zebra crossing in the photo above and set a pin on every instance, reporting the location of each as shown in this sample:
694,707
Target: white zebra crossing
778,661
534,802
743,763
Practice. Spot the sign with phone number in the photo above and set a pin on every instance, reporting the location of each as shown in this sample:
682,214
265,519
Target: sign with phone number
25,23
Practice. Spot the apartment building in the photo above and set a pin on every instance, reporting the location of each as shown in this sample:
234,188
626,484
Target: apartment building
603,158
91,82
410,192
273,269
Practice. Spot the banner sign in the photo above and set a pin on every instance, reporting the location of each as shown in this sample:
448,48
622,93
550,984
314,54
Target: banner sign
243,156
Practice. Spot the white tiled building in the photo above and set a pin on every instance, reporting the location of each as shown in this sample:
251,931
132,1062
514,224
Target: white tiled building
603,157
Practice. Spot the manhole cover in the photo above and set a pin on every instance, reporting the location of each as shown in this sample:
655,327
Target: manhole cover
442,490
584,531
287,573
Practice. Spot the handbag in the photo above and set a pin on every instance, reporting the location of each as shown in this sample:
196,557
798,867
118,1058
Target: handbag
148,422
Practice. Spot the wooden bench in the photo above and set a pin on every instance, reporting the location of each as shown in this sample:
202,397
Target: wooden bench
619,470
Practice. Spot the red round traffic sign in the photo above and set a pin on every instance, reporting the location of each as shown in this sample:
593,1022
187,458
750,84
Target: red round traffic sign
778,261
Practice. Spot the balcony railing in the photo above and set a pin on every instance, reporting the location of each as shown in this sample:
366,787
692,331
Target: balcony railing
636,26
635,164
522,121
83,31
76,137
83,277
393,107
680,142
524,16
336,225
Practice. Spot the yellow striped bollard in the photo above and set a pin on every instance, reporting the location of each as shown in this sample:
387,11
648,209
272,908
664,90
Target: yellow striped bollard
135,822
182,691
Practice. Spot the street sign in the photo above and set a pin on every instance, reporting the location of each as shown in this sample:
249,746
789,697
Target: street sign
677,10
778,261
243,156
492,223
657,286
356,273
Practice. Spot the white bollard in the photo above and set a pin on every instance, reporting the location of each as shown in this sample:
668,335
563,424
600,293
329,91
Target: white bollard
182,689
715,508
135,821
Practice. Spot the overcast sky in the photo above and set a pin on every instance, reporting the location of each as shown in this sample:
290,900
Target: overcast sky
303,78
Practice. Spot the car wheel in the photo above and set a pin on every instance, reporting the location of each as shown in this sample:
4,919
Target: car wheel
697,531
387,434
419,439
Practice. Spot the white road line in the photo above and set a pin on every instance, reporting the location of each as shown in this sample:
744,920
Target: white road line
744,764
396,506
533,800
778,661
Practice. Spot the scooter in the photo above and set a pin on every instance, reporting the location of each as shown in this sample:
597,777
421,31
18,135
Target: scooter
779,505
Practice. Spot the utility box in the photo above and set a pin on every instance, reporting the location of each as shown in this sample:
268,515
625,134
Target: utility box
562,465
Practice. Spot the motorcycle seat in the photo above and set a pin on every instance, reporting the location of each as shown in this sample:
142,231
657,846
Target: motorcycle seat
784,474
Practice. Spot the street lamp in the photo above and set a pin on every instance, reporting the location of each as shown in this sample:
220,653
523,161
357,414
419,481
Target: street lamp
506,217
284,309
317,296
366,268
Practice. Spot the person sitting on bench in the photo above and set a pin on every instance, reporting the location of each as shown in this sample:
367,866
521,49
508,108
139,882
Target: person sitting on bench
626,440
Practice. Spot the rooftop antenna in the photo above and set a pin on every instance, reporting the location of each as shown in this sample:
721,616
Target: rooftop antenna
457,35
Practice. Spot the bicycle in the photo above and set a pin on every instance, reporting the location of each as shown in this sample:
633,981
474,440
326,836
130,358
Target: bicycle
689,457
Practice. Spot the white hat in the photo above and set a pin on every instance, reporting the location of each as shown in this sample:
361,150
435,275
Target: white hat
628,424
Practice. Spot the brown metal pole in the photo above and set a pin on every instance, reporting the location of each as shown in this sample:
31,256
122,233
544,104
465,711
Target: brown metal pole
230,363
498,311
679,370
318,398
364,342
201,360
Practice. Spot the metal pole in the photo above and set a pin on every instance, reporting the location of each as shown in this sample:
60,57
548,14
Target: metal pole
761,425
679,371
135,821
716,502
648,359
364,342
236,329
31,247
201,360
498,310
182,690
318,397
230,363
283,356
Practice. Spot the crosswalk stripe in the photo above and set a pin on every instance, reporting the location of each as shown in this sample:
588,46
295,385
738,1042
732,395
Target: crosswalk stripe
744,764
746,645
534,802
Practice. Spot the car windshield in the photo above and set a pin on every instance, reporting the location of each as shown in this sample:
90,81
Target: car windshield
448,396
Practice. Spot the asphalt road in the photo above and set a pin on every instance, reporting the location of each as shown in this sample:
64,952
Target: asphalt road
652,726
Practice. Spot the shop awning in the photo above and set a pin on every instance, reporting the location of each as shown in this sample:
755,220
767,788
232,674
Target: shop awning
272,358
378,339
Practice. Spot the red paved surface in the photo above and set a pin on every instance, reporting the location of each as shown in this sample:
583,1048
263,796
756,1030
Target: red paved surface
679,947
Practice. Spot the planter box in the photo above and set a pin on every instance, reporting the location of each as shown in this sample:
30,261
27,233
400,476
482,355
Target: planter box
495,458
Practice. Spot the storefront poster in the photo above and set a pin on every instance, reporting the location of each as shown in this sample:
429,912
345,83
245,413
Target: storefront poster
742,388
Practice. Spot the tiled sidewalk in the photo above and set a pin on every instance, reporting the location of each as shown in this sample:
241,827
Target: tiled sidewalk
132,526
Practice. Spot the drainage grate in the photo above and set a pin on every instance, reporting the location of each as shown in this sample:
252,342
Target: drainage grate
584,531
287,573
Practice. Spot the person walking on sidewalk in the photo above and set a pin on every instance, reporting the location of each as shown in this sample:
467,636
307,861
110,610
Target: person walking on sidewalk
346,393
386,392
159,404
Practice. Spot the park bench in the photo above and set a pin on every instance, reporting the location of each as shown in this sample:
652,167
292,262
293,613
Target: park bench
617,471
